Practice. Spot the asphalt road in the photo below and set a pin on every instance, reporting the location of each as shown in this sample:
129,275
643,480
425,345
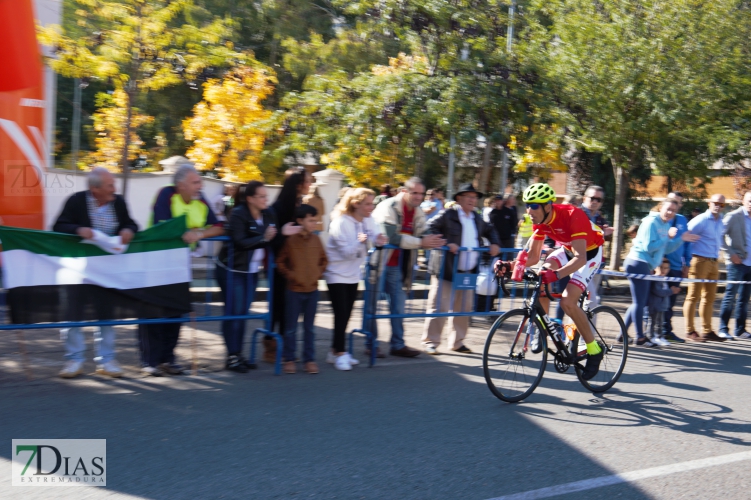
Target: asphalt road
675,426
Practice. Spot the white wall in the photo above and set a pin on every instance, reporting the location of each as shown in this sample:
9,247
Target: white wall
59,184
329,182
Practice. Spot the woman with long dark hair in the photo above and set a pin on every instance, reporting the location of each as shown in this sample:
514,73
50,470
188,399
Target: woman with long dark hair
251,228
296,185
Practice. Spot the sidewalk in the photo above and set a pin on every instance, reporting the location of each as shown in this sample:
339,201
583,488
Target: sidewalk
44,348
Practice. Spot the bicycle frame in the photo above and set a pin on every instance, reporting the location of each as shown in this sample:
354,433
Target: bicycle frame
563,357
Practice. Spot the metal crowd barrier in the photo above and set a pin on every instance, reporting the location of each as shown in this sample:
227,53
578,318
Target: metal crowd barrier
266,317
375,297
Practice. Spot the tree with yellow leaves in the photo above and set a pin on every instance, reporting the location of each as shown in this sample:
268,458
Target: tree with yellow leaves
109,124
228,126
138,46
542,152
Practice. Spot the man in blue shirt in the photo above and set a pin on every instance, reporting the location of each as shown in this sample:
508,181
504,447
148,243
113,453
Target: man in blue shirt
679,261
704,265
591,205
737,246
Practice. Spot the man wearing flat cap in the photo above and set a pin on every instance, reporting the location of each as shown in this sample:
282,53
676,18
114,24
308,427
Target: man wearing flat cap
463,227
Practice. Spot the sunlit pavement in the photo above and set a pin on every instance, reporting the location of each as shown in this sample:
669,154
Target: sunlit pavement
408,428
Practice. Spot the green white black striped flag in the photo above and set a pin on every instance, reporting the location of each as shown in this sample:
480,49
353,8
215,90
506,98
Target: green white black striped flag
54,277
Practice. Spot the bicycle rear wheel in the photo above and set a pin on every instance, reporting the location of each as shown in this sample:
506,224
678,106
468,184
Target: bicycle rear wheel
608,328
511,369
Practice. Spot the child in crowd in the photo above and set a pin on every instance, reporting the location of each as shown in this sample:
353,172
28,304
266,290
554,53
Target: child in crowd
302,262
659,301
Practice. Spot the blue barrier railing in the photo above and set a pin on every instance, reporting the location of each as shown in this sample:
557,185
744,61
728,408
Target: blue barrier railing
266,317
375,286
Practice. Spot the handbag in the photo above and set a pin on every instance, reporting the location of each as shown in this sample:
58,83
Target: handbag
486,285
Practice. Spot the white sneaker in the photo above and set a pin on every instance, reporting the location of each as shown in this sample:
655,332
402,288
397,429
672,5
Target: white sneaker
660,341
151,370
72,369
331,358
724,335
352,361
110,368
342,363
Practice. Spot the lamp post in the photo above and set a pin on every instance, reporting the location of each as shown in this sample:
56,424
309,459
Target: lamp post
509,39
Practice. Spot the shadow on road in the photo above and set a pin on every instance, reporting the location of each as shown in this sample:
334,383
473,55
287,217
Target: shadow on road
409,429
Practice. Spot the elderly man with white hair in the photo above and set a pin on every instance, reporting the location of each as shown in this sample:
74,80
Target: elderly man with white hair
100,209
158,341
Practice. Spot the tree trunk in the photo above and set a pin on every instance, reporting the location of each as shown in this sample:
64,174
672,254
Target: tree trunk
130,92
485,174
619,218
419,159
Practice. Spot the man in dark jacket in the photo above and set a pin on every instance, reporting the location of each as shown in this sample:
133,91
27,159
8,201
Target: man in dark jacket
98,209
158,340
462,226
505,219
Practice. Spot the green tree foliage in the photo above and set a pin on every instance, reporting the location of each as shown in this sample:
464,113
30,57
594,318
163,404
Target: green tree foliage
453,75
645,82
138,46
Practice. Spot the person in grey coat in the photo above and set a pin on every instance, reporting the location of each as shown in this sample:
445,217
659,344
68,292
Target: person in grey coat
737,247
657,304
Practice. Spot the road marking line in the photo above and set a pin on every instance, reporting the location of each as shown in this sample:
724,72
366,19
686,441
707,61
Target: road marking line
627,477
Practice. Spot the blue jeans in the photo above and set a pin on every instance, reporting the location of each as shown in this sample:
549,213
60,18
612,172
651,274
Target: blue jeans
397,299
561,287
104,344
667,325
734,300
296,303
639,295
243,290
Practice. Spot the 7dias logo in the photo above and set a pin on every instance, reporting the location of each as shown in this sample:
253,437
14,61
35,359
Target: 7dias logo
59,462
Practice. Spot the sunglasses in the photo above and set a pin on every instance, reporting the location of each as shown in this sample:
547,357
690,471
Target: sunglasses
721,205
596,198
534,206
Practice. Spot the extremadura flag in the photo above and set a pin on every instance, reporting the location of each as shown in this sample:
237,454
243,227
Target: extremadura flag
54,277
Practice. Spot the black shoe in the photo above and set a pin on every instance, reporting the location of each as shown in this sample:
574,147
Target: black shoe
236,364
405,352
248,364
673,338
172,368
593,365
463,349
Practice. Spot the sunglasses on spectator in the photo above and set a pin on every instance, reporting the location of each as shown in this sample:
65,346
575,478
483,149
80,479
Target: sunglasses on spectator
719,204
596,198
534,206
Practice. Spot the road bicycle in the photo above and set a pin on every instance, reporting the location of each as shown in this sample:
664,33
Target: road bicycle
514,361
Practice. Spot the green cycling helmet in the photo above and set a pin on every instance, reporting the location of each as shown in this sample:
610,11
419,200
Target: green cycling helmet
538,193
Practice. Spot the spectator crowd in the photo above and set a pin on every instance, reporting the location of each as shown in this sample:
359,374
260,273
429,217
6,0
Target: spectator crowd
411,220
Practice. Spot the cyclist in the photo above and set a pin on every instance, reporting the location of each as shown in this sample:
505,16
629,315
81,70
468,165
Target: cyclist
579,257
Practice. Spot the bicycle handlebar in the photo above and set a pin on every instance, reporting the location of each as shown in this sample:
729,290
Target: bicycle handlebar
531,277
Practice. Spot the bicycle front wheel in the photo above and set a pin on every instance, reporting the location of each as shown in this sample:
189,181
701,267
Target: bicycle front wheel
610,332
512,370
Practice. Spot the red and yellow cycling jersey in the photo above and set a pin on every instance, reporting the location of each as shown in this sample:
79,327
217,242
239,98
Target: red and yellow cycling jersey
568,223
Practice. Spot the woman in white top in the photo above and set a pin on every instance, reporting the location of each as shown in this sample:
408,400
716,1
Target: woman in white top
350,231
